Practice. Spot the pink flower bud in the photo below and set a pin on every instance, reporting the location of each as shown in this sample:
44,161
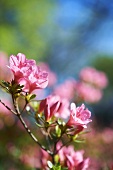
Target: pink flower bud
53,105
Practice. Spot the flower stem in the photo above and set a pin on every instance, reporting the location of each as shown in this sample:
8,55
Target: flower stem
8,108
18,114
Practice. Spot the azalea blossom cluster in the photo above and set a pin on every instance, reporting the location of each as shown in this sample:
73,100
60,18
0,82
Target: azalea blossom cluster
56,118
27,73
72,159
68,157
94,77
91,85
88,88
66,89
53,107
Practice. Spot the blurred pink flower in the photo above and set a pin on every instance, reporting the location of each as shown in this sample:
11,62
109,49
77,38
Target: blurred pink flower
43,159
95,77
4,71
67,157
88,93
30,156
79,116
63,110
27,73
107,135
53,105
51,75
66,90
7,118
72,159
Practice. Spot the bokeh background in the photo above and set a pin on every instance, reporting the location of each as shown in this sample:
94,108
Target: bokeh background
66,34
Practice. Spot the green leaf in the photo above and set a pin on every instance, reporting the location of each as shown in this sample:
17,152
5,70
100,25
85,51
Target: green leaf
65,168
56,166
35,105
58,131
5,86
32,96
61,122
56,158
40,126
79,141
15,88
29,97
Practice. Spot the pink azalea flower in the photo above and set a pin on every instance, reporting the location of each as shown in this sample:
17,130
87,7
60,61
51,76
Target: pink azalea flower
88,93
63,110
49,106
68,157
53,105
27,73
44,157
93,76
66,89
107,135
72,159
52,76
79,116
29,156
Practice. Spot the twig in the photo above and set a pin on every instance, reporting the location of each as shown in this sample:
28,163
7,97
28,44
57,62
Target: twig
24,107
8,107
27,129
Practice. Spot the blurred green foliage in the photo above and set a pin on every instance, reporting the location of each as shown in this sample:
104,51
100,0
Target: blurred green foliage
23,25
12,146
104,109
105,63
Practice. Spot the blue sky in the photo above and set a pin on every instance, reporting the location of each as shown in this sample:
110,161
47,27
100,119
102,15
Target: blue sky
70,18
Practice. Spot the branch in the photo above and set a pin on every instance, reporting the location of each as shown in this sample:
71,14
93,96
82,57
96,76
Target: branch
27,129
8,107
